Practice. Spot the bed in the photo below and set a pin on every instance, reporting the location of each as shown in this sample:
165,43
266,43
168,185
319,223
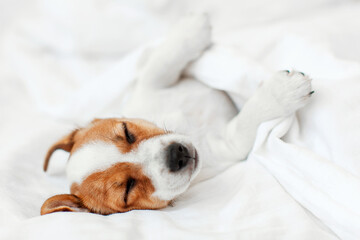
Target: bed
64,63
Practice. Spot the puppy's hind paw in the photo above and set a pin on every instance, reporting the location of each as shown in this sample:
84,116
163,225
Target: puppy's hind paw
194,31
291,89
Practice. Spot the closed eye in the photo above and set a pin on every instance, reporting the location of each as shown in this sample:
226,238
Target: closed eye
129,185
130,138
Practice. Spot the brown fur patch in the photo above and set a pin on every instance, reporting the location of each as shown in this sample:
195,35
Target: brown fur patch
104,192
112,130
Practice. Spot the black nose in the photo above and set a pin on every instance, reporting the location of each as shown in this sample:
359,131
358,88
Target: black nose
177,156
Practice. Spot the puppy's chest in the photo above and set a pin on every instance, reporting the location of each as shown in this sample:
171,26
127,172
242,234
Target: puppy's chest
188,106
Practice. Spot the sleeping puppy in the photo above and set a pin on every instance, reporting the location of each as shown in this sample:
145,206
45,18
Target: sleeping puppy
122,164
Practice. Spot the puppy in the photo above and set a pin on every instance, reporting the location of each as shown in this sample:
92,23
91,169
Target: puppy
122,164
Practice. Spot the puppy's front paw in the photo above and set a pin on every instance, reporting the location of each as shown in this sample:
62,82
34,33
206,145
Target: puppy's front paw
290,89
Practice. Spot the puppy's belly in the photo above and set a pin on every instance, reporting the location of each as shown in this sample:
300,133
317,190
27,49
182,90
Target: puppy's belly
185,107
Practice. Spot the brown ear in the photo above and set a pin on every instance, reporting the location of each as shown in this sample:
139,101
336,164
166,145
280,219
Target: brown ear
63,203
66,144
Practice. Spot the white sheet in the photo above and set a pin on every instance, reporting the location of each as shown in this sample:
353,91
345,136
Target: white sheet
64,63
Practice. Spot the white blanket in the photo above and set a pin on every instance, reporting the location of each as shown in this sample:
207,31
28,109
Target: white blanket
64,62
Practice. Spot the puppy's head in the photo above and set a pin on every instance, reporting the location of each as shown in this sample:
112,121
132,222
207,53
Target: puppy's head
117,165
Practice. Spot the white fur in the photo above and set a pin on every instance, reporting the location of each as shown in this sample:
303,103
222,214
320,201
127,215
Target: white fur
90,158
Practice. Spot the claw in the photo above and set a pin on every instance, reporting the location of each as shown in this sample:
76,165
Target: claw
287,71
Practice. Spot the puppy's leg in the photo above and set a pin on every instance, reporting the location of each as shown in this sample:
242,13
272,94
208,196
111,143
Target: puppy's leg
187,40
280,96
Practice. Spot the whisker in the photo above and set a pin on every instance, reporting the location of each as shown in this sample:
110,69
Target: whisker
165,128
